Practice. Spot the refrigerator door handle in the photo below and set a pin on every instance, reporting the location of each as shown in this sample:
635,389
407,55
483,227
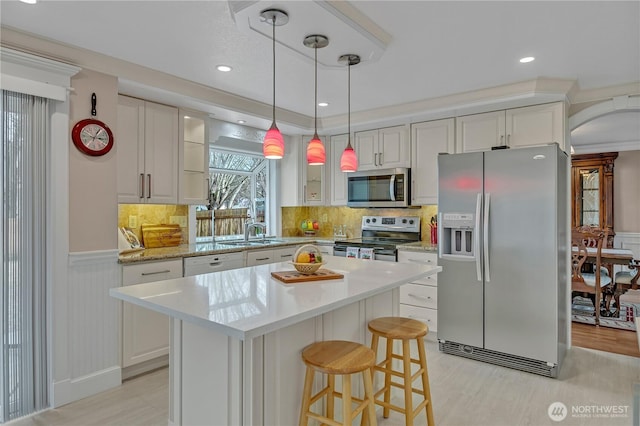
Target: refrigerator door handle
487,271
476,249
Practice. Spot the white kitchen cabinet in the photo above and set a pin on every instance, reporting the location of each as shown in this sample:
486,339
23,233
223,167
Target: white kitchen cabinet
313,177
147,152
212,263
261,257
383,148
429,139
513,128
193,158
419,298
145,333
338,177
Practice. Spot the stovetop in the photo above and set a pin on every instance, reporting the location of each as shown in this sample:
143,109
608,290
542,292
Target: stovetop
386,232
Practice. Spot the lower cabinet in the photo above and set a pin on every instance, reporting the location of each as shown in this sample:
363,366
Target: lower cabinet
419,299
212,263
145,334
261,257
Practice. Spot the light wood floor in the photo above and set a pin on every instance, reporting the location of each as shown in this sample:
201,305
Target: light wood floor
464,392
608,339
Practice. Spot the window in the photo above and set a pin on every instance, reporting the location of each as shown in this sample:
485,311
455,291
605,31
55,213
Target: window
238,191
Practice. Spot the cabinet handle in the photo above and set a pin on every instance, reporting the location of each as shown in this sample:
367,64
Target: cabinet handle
262,258
501,140
413,190
509,139
214,263
417,296
286,255
166,271
149,185
424,262
380,156
304,194
141,192
375,159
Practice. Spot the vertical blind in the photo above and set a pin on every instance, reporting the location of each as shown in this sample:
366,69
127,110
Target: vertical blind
23,167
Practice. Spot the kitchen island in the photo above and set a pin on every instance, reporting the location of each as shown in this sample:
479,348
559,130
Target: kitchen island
236,335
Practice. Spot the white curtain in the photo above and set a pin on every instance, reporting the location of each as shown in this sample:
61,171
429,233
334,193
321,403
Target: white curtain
23,170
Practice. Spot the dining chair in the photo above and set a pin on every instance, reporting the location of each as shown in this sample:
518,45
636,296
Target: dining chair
582,282
625,280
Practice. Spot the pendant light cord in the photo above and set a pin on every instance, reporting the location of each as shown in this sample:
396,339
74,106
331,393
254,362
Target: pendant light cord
349,103
273,21
315,99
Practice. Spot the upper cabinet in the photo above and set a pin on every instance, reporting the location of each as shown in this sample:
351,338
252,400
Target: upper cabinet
428,139
592,191
383,148
513,128
338,177
193,158
147,152
314,177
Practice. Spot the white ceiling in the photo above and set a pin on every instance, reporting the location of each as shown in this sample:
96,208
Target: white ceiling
435,49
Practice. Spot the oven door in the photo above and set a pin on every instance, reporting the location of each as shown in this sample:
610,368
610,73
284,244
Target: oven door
378,188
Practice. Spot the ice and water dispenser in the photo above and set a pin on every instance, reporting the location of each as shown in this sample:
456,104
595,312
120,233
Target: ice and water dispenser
458,233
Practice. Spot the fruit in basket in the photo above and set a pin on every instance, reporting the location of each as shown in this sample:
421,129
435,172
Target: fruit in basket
304,257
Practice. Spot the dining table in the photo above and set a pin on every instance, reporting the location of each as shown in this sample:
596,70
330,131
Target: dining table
616,256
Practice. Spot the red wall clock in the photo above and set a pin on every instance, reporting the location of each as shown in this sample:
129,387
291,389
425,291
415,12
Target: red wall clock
92,136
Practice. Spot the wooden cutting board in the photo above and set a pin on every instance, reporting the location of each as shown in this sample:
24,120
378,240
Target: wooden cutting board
163,235
291,277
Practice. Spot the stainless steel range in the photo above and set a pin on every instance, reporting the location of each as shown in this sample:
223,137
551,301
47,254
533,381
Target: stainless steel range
382,234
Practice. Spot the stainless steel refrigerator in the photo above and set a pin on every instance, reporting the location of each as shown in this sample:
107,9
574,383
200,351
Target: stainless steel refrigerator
502,245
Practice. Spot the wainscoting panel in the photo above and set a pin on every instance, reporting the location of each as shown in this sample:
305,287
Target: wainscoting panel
628,240
93,344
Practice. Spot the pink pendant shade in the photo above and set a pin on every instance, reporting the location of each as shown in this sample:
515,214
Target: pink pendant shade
273,144
349,160
315,152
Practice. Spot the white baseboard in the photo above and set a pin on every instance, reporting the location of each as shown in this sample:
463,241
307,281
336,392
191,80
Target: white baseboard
66,391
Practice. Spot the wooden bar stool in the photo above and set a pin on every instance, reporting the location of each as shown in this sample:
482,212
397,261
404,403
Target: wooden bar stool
338,357
404,329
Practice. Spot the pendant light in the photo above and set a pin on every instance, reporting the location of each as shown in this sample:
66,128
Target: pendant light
349,160
315,150
273,144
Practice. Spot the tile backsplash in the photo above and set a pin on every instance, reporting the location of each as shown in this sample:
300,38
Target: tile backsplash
138,214
326,217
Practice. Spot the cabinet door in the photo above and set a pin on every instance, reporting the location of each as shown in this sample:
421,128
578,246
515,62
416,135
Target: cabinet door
535,125
427,141
366,147
130,150
193,158
313,177
284,254
145,333
338,177
161,153
480,132
393,147
259,257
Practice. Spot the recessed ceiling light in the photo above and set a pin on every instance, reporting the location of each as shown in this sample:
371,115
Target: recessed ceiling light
527,59
323,104
29,1
241,121
223,68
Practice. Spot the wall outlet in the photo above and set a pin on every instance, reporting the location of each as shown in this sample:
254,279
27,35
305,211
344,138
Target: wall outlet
133,222
179,220
323,218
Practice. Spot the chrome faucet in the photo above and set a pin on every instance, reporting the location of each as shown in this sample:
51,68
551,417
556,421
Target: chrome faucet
257,225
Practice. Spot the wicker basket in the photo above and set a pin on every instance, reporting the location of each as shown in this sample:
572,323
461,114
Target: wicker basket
307,268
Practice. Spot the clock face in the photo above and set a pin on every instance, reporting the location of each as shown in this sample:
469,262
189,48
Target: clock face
92,137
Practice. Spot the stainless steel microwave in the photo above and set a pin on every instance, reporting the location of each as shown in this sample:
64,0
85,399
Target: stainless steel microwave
379,188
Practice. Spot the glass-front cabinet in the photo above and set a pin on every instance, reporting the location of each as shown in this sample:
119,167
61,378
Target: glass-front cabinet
592,191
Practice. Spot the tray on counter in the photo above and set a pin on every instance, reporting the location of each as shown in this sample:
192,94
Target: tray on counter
292,277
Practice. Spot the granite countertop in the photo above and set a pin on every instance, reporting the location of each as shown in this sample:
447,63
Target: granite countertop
218,247
246,302
418,246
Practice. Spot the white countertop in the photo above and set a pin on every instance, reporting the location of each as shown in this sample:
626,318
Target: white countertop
246,303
